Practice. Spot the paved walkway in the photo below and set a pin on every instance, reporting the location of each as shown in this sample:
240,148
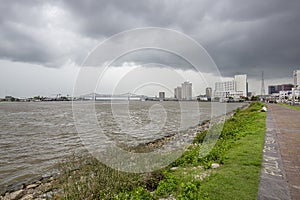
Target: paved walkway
280,174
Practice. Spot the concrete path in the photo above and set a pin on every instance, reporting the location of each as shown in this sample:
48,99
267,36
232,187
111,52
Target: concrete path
280,174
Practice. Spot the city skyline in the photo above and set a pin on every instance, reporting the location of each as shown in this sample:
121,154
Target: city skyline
235,89
229,86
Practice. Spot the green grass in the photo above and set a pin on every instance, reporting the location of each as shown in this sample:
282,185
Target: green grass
290,106
238,150
238,178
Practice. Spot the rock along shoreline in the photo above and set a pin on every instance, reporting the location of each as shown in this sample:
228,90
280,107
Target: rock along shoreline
40,189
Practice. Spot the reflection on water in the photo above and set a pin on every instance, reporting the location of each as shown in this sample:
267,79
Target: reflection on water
35,136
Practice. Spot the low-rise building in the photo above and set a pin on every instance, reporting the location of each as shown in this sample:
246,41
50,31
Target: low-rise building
234,89
289,96
277,88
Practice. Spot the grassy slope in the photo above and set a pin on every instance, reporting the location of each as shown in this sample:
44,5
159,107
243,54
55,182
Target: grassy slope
240,151
292,107
238,178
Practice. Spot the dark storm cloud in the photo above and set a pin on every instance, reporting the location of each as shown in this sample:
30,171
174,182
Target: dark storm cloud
111,17
241,36
266,37
40,33
20,41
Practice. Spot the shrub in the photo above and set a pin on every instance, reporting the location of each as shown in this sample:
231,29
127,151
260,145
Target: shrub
138,193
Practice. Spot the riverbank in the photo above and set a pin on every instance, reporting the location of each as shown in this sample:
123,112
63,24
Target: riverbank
94,180
43,188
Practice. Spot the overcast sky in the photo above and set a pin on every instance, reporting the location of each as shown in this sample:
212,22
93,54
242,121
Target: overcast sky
43,43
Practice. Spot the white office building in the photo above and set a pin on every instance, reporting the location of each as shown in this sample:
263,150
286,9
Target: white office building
225,86
241,84
186,90
235,88
224,89
296,75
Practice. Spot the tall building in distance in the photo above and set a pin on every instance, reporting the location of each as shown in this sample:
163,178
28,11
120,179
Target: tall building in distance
186,90
178,93
236,88
296,75
161,95
241,84
277,88
208,93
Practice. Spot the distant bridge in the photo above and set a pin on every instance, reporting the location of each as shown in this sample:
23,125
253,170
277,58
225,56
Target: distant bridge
103,97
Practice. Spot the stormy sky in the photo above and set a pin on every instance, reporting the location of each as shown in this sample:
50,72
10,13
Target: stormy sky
43,43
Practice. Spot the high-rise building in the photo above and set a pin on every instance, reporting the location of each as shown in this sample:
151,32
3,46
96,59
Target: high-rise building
161,95
241,84
208,92
186,90
178,93
277,88
296,75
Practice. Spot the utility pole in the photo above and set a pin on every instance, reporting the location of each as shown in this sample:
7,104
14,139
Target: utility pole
262,92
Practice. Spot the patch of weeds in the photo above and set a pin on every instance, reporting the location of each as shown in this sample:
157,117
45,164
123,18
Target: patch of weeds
167,186
138,193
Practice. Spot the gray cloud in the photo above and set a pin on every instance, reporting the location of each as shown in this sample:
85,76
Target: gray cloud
44,34
262,42
241,36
